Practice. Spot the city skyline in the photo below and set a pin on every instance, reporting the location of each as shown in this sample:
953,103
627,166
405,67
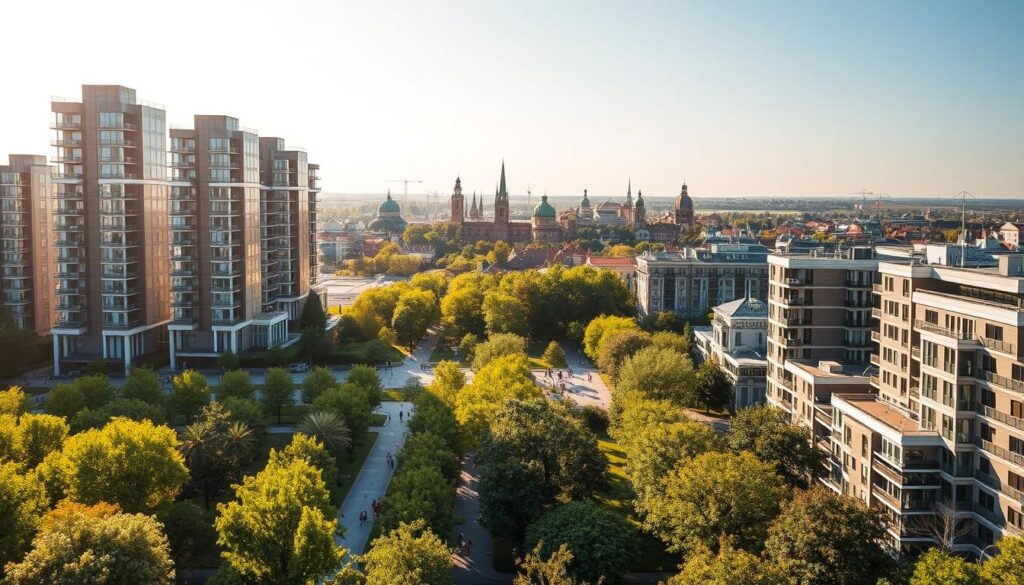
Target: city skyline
797,99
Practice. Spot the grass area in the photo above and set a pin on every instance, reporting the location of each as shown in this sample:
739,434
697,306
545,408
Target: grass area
35,390
443,351
651,554
396,395
349,469
717,413
377,420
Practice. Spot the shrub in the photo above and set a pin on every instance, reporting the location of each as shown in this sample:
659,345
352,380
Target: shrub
595,417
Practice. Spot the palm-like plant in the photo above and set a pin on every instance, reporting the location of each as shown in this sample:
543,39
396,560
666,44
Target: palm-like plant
328,428
238,440
200,445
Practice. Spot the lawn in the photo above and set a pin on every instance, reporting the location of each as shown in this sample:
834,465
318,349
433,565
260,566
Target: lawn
377,420
397,395
442,351
652,556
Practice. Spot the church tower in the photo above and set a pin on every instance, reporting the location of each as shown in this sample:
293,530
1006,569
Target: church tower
639,211
682,209
627,209
475,212
501,208
458,203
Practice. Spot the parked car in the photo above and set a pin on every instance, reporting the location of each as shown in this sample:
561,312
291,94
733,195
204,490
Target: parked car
298,368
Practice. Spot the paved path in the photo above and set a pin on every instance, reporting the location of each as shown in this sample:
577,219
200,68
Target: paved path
373,478
478,566
593,392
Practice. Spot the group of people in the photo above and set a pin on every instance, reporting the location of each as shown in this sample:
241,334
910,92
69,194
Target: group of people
390,460
376,506
557,379
465,545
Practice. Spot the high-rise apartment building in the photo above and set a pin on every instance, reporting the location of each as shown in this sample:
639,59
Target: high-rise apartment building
26,240
216,249
288,227
819,310
937,440
111,227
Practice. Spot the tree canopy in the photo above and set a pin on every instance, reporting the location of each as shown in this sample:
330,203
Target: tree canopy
763,431
410,553
601,542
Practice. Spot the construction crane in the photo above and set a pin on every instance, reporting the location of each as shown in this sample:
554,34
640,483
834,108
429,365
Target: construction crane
405,187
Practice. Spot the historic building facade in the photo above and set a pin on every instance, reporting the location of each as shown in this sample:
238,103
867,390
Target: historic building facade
542,227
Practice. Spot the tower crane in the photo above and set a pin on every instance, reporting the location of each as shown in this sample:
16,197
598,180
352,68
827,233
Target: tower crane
405,187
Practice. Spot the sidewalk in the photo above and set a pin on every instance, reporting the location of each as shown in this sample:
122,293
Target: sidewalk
478,566
584,393
373,479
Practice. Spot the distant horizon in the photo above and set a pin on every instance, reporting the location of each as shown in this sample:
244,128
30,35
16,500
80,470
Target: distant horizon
741,98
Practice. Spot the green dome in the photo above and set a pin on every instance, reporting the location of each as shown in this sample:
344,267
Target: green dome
544,208
639,199
586,200
389,205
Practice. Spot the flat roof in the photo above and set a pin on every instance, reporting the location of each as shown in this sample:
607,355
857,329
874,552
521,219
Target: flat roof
884,413
846,370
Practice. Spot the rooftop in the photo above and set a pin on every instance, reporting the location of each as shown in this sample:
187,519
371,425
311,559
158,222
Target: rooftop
885,413
834,369
746,307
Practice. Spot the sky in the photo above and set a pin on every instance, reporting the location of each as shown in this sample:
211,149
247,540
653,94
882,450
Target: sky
777,98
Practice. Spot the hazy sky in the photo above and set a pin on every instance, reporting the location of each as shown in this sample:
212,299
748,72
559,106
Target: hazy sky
737,98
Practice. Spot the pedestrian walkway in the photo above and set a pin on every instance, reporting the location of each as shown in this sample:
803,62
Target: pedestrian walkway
373,478
478,565
593,392
416,365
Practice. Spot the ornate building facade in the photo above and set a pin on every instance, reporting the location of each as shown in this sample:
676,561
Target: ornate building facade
548,225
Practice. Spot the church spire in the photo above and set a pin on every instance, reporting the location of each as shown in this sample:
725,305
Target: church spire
501,187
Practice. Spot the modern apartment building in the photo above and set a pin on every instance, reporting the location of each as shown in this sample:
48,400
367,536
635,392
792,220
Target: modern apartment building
111,227
216,264
26,240
819,310
290,257
692,281
737,340
951,328
932,433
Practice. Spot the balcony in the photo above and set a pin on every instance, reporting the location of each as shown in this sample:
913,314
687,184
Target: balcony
795,281
876,313
995,484
1004,454
63,142
792,301
858,284
858,303
939,330
876,288
998,345
118,142
915,353
875,360
1001,381
65,125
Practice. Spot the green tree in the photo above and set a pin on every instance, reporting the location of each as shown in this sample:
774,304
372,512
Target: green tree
235,383
658,449
419,492
96,390
554,355
14,401
502,379
133,464
190,392
602,328
329,428
190,533
715,495
281,527
662,321
504,313
668,340
130,408
313,315
729,567
37,436
316,383
497,345
64,400
619,346
1006,568
763,431
312,451
534,569
448,381
278,391
22,504
847,553
938,568
602,541
367,378
657,373
248,412
20,347
349,402
228,360
143,384
467,347
97,545
712,387
410,553
632,414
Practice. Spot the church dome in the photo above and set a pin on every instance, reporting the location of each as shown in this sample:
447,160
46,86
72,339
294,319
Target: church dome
639,199
586,200
544,208
683,201
389,205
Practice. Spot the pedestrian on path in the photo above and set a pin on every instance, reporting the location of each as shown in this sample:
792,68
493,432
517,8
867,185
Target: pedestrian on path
401,415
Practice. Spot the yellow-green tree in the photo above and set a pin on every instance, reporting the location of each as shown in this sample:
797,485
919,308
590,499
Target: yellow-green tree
502,379
281,526
602,328
410,553
729,567
134,464
22,504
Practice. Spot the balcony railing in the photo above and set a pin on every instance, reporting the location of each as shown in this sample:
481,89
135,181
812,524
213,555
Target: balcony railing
1000,452
940,330
1001,381
995,484
998,345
